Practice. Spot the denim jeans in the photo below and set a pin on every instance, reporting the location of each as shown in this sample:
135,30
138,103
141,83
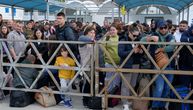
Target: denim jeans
109,75
64,84
161,89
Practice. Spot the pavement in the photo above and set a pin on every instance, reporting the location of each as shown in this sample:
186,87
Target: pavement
77,105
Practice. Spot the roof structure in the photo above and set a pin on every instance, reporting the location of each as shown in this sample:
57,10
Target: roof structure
164,9
176,4
34,4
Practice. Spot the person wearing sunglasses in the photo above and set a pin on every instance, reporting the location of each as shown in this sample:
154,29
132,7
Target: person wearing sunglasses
133,62
161,88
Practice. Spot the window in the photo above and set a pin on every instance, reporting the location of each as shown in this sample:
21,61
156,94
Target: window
6,10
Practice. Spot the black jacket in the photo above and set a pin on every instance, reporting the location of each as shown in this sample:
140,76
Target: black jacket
43,49
186,58
65,33
125,49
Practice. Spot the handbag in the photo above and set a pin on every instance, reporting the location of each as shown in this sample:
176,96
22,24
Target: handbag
142,104
45,99
161,59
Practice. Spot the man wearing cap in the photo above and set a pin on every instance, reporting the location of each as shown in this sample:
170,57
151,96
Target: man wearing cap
161,89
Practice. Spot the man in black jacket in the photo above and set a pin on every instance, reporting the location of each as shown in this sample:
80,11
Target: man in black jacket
64,32
186,58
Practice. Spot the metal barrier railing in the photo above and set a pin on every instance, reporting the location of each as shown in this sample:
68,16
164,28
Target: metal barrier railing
45,66
94,67
156,72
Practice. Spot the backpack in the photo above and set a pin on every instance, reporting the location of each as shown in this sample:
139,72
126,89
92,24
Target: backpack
21,98
95,103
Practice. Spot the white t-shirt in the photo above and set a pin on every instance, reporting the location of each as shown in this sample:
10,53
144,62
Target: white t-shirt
178,35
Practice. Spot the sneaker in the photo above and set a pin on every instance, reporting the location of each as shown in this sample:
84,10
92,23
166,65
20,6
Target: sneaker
68,104
126,107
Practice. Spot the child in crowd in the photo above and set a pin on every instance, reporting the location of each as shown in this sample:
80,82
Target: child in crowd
65,75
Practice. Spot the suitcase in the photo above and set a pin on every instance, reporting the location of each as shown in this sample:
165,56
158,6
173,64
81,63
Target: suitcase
183,92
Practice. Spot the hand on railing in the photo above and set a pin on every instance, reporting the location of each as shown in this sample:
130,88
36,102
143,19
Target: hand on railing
64,65
152,38
39,56
159,50
137,49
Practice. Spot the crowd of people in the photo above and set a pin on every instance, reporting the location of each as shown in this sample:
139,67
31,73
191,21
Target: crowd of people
157,31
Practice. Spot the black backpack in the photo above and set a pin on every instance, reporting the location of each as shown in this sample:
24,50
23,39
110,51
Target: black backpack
21,98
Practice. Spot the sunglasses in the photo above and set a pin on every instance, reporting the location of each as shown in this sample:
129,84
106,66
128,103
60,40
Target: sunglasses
161,28
135,35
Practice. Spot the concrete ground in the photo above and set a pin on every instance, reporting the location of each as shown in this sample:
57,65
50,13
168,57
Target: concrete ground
77,105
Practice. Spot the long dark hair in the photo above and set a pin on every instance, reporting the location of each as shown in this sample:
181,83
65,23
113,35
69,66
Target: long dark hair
38,29
2,34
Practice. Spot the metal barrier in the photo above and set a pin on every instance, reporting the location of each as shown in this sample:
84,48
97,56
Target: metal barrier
156,72
94,69
45,66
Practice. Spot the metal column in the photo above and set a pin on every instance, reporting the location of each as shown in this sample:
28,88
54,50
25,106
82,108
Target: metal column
12,12
124,20
119,12
86,16
48,10
179,17
112,15
183,14
76,15
188,13
128,16
31,13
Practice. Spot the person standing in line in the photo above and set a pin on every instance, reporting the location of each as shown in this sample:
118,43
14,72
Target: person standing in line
65,75
183,26
112,48
161,88
17,47
65,33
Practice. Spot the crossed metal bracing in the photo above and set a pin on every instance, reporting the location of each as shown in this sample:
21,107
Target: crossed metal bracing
94,69
45,66
118,69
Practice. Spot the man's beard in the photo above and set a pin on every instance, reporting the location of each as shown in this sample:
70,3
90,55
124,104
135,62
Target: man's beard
181,30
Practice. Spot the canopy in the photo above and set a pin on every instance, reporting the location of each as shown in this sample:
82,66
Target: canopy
176,4
32,4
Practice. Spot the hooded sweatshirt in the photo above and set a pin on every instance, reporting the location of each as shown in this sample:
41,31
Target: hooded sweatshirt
167,49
